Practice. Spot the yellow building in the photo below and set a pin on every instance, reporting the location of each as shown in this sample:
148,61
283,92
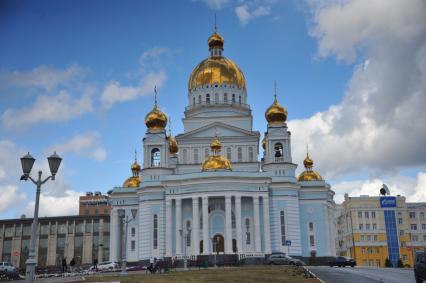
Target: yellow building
374,228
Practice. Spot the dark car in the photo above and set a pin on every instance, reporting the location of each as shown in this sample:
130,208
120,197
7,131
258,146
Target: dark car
342,261
279,259
420,266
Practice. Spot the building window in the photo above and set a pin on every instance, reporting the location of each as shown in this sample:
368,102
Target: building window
367,226
133,231
373,214
228,153
251,155
199,99
216,98
188,235
155,157
367,215
206,152
359,214
312,240
375,238
239,99
424,238
278,149
374,226
399,220
361,226
233,220
247,231
377,250
368,238
208,98
413,227
311,226
233,98
362,238
423,226
363,251
195,155
282,225
155,232
422,215
412,215
240,154
225,98
401,232
133,245
414,238
185,156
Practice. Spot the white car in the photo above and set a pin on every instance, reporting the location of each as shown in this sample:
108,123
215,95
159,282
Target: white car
6,267
107,265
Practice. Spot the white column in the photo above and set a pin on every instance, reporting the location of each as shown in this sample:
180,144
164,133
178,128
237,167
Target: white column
238,223
169,231
114,236
228,225
266,228
256,224
178,226
206,237
195,227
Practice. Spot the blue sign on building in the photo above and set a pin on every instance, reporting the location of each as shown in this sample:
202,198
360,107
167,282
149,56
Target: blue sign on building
387,202
391,229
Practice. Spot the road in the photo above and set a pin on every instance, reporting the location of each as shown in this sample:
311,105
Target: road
362,274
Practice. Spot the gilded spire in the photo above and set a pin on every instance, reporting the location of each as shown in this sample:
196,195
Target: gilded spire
134,180
216,161
156,119
276,113
309,174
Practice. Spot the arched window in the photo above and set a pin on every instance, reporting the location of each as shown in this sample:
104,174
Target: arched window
251,155
228,153
195,155
133,231
155,157
225,98
233,220
240,154
233,98
206,152
278,149
208,98
239,99
188,235
247,224
282,226
199,99
185,156
216,98
193,100
155,232
311,226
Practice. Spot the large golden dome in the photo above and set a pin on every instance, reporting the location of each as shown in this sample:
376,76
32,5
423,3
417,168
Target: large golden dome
216,161
216,69
309,174
156,119
276,113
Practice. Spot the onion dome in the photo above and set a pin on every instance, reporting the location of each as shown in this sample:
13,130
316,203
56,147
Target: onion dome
264,143
216,69
156,119
309,174
276,113
134,180
216,161
173,145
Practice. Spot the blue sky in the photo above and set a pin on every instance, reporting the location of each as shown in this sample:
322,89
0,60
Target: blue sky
78,76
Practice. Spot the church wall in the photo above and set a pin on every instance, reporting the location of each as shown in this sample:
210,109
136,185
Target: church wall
148,209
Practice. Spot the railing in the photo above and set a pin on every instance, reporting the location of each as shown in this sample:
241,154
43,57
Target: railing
205,104
279,159
249,255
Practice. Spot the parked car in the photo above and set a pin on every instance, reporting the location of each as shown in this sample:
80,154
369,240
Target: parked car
8,271
342,261
420,266
107,265
283,259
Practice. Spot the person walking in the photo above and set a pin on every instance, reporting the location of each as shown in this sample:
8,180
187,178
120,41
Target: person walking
95,264
72,264
64,265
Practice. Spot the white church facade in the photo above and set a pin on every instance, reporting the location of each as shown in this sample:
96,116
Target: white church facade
204,191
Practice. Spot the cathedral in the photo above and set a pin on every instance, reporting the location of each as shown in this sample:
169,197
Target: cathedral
205,191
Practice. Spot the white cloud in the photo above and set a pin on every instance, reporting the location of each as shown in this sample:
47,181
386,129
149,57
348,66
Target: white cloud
245,14
214,4
88,144
44,77
64,204
378,127
10,196
50,108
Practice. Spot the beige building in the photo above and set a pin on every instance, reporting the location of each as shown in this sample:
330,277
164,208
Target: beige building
372,229
80,237
94,203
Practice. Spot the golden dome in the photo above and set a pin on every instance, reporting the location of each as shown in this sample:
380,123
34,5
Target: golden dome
133,181
156,119
173,145
264,143
309,174
276,113
136,167
216,40
216,161
216,69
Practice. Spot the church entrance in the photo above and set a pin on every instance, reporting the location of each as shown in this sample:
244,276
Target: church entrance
218,244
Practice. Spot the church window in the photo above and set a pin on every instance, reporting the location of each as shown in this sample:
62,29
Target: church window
240,154
233,220
216,98
278,149
311,226
199,99
195,155
233,98
247,231
185,156
228,153
225,98
133,245
155,157
282,226
133,231
251,155
155,232
208,98
312,240
206,152
239,99
188,234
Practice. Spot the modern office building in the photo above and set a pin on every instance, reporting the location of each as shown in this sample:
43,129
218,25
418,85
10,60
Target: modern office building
374,228
80,237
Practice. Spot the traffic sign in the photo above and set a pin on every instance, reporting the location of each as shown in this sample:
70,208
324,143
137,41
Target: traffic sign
16,253
287,242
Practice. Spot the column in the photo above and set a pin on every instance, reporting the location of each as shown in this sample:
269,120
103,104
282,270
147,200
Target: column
206,236
195,227
256,224
169,227
115,239
238,223
178,226
228,225
266,228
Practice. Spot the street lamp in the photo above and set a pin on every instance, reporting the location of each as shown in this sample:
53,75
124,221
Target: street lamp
188,232
122,214
27,163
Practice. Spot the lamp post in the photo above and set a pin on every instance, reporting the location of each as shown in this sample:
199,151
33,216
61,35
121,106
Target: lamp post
122,214
27,163
188,232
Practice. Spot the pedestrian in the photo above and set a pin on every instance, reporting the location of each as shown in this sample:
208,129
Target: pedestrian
64,265
95,264
72,264
151,264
